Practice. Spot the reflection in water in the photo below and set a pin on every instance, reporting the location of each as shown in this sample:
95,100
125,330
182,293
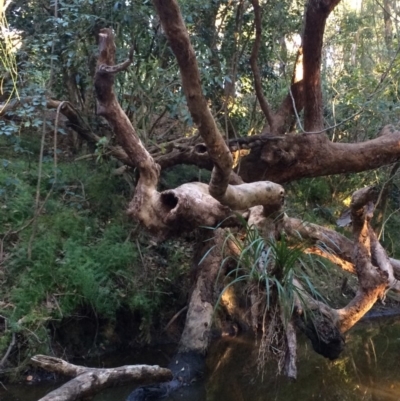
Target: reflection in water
368,370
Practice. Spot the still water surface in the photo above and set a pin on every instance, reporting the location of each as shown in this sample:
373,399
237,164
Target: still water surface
368,370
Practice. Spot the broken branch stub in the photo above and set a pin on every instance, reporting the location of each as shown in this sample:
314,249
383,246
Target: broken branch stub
245,196
108,107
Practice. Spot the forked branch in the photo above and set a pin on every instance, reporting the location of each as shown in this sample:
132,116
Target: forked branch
236,197
166,213
109,108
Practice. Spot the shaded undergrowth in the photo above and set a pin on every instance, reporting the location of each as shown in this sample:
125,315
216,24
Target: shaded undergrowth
79,257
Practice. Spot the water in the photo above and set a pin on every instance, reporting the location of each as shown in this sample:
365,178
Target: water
368,370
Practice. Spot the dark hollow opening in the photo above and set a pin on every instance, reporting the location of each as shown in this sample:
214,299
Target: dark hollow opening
169,200
200,148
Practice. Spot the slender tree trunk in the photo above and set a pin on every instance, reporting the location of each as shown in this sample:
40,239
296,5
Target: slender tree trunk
189,362
388,24
317,13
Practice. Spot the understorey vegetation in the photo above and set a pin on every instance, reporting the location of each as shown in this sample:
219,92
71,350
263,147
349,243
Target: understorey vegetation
179,170
75,275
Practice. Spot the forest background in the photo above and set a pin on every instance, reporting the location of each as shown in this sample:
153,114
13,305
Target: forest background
68,252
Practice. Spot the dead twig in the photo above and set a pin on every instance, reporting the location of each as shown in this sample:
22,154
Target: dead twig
9,349
177,314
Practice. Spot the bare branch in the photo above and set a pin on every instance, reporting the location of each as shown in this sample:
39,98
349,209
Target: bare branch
294,100
109,107
9,349
291,352
178,37
89,381
265,107
234,197
337,248
375,271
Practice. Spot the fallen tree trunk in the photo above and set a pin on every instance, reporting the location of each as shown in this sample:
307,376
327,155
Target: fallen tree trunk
88,381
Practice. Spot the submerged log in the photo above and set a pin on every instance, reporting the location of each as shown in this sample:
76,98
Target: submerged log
89,381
